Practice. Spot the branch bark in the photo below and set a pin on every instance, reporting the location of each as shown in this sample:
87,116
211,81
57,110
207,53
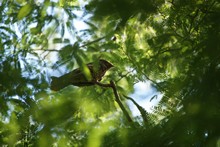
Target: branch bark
117,99
141,109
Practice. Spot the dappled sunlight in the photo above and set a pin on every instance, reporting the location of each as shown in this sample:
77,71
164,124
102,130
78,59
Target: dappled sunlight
172,70
58,109
13,130
98,132
90,108
109,73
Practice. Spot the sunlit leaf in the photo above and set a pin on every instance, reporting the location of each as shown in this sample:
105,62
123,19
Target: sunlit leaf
24,11
57,40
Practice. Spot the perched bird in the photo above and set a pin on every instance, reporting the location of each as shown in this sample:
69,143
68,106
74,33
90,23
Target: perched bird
77,77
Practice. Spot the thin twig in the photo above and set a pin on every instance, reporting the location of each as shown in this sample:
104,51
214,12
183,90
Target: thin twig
47,50
86,44
125,75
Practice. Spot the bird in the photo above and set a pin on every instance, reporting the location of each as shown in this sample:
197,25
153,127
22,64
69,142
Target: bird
78,78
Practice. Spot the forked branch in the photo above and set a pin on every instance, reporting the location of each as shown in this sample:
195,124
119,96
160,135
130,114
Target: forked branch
117,99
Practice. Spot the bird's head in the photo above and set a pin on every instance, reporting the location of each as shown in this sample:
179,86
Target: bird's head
105,64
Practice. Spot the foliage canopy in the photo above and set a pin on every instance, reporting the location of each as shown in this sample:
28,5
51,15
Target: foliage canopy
172,44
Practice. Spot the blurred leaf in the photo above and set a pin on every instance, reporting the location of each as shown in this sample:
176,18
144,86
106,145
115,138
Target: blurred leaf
62,30
66,40
173,45
36,30
61,40
24,11
84,68
57,40
66,51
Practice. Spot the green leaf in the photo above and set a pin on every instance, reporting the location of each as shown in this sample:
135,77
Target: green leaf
8,30
57,40
66,51
62,30
66,40
36,30
24,11
83,67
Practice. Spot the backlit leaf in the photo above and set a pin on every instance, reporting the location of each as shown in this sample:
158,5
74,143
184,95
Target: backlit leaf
24,11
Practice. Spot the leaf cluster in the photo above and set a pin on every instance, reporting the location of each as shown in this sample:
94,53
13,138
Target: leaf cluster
172,44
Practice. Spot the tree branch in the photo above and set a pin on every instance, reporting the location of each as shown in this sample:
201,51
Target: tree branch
117,99
103,85
47,50
141,109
